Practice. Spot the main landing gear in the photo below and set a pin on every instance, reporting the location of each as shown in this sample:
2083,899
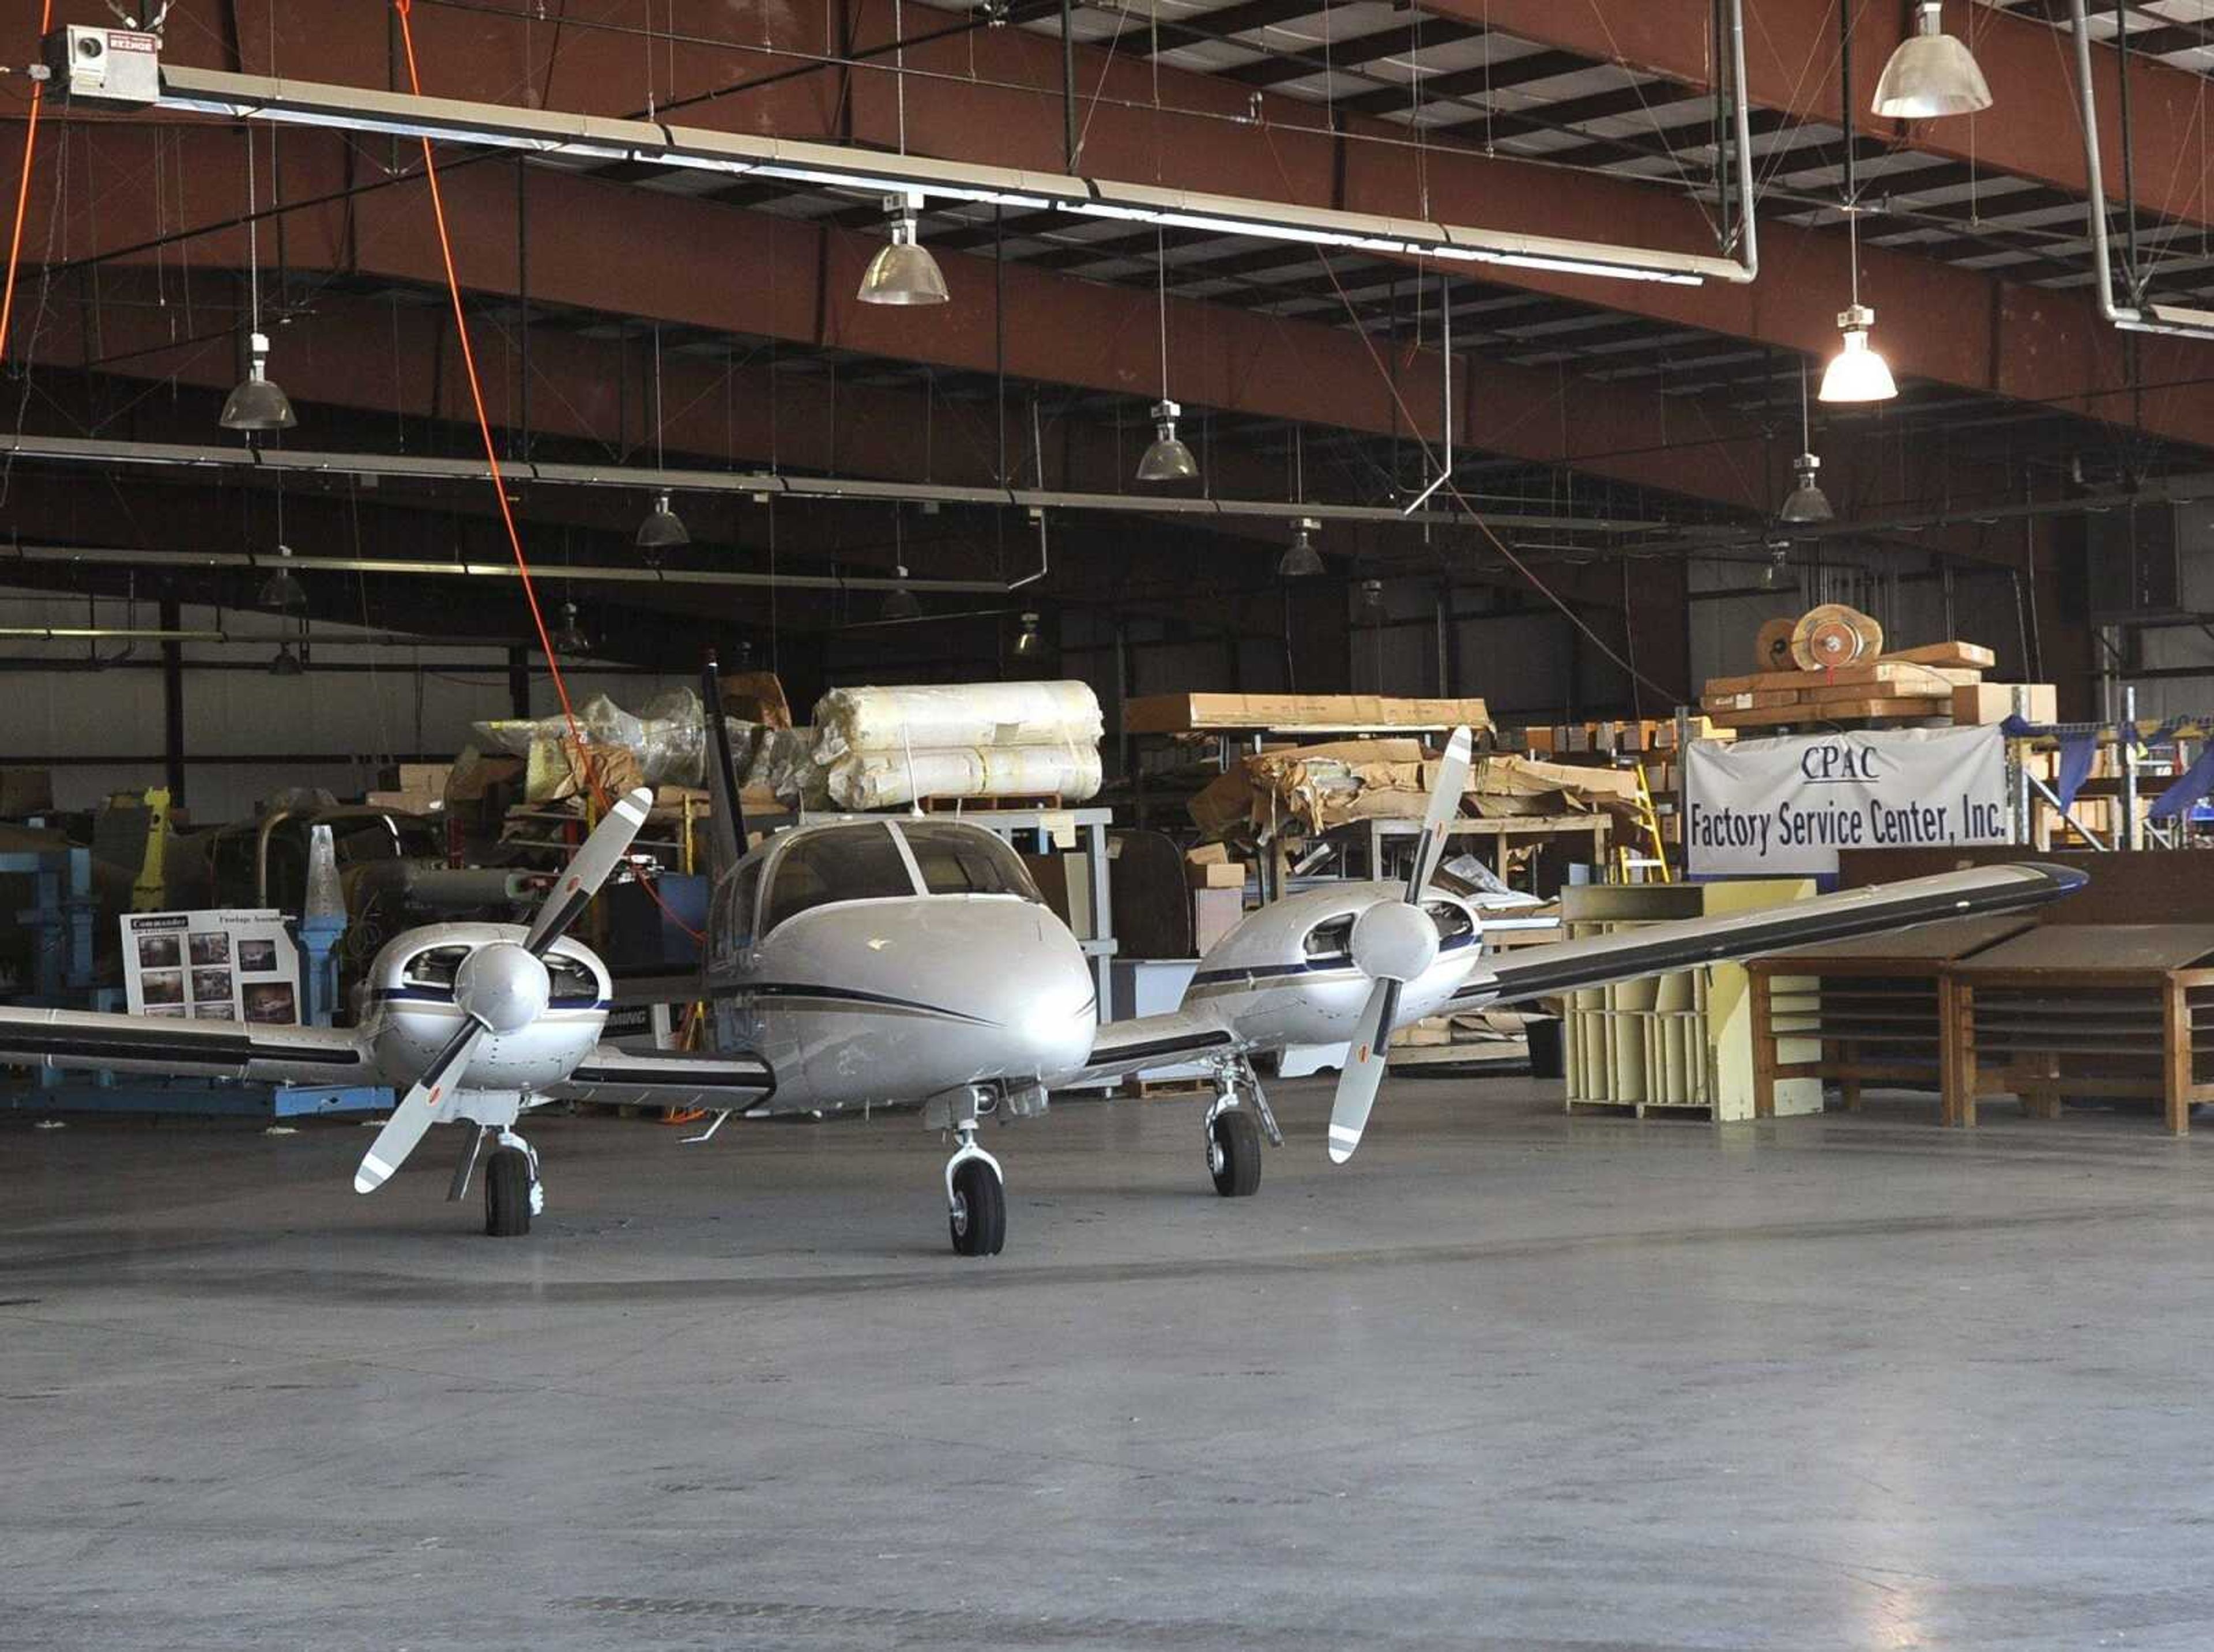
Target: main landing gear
1233,1136
513,1190
975,1191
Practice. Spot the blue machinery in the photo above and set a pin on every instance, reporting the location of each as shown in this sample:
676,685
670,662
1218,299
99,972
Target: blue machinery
61,916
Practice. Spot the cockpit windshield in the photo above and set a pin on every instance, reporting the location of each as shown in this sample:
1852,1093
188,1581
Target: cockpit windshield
844,862
958,860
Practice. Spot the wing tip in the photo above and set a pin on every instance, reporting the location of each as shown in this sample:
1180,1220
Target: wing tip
2064,879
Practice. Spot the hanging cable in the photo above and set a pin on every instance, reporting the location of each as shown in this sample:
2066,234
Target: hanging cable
498,481
23,190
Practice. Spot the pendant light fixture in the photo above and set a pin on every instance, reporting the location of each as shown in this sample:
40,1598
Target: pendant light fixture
663,529
1301,561
1931,73
570,638
282,592
1857,373
1168,459
257,404
900,602
1029,645
1779,560
902,273
1806,502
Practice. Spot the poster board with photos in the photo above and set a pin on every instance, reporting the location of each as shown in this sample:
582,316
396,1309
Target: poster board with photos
212,966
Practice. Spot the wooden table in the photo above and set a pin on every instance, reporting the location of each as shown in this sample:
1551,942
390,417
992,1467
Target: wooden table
2096,1009
1872,1011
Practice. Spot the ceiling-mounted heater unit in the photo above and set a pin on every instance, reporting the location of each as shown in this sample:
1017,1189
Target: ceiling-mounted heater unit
116,67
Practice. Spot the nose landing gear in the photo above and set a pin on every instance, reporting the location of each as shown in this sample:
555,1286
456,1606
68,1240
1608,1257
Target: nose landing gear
975,1191
1233,1136
513,1192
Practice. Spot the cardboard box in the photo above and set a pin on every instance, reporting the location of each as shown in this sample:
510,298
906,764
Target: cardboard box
403,802
1214,913
2037,703
1216,875
25,791
755,696
419,779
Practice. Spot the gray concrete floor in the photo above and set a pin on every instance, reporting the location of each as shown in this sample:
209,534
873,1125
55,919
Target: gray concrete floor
1506,1381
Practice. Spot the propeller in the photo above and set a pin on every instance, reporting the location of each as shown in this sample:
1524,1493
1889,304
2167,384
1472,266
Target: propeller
1393,942
502,987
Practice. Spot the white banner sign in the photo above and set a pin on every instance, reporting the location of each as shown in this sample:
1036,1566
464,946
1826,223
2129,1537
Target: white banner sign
1770,807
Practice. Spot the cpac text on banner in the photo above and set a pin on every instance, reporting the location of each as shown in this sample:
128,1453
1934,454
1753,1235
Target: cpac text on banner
1775,808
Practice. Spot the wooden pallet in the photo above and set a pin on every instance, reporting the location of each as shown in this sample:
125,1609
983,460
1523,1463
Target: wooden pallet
1645,1109
1029,800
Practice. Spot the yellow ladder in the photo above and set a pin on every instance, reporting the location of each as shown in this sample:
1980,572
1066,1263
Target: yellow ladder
1648,824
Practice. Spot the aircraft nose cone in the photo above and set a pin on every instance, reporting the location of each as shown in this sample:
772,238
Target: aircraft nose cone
1046,997
503,986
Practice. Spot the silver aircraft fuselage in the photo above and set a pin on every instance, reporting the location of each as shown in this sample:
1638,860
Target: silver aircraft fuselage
892,987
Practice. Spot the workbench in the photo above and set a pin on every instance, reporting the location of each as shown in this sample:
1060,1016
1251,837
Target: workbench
1856,1013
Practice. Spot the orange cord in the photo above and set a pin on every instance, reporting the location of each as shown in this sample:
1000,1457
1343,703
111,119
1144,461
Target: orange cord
498,481
23,190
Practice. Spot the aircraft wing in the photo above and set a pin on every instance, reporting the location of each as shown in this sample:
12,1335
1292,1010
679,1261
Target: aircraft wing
177,1048
1131,1046
1657,949
667,1078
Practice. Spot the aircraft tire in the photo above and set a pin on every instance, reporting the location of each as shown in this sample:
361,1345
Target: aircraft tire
1235,1162
507,1194
980,1227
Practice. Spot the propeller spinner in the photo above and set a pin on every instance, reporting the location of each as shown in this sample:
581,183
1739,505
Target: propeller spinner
1394,942
503,988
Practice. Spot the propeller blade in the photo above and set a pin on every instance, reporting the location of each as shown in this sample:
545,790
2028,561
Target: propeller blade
587,871
1364,1072
1445,804
413,1114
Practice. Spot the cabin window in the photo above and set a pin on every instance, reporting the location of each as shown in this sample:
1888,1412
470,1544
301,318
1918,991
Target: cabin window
962,860
1331,940
1453,925
855,863
734,900
435,969
574,984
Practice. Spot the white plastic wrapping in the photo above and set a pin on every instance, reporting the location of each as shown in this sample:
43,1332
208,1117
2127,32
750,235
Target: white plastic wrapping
867,780
881,747
963,714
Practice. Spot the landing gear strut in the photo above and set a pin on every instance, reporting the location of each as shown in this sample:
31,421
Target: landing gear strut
1233,1136
975,1192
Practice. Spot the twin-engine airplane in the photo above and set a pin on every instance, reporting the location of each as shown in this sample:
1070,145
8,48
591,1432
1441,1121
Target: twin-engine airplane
477,1023
874,961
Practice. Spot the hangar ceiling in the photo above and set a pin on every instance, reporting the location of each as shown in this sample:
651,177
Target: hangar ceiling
638,312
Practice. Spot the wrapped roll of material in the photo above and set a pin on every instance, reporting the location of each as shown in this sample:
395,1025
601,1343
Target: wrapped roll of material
967,716
885,779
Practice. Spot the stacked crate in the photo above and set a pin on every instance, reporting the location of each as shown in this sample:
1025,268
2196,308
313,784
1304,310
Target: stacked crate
1939,685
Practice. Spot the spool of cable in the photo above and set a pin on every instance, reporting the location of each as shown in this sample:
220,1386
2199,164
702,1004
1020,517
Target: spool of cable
1772,647
1834,635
